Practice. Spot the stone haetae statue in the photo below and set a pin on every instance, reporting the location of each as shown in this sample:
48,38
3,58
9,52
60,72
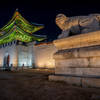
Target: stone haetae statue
78,24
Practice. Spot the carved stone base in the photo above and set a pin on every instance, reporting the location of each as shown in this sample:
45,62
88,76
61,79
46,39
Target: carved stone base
80,66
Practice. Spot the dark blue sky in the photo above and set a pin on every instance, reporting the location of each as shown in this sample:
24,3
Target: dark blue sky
45,11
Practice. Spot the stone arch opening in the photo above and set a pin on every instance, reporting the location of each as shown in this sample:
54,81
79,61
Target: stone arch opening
6,60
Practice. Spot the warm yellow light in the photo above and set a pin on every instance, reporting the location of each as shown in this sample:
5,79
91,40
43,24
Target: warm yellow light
45,64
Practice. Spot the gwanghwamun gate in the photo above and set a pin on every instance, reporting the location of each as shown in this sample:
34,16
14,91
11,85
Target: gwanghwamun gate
18,46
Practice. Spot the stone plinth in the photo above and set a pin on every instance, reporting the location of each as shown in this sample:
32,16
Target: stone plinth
77,60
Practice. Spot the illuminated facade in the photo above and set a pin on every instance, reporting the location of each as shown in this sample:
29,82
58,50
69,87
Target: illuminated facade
17,40
43,55
17,54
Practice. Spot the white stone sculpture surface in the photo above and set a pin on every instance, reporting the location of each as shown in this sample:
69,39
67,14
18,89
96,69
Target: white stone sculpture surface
78,24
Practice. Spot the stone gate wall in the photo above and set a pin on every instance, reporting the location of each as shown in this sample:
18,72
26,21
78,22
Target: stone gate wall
11,51
43,55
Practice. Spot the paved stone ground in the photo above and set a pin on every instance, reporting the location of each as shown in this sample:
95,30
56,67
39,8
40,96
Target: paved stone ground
34,85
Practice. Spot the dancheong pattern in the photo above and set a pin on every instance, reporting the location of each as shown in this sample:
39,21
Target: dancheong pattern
20,29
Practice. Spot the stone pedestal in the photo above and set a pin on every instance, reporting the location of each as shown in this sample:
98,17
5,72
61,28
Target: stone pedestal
77,64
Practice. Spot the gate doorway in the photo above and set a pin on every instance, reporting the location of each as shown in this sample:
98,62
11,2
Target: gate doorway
6,61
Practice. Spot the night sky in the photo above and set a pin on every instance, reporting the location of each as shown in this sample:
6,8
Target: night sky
45,11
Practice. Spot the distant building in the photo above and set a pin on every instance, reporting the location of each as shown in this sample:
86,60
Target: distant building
17,41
